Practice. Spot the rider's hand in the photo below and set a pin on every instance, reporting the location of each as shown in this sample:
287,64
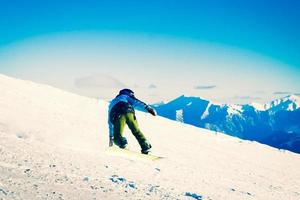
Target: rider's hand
111,141
151,110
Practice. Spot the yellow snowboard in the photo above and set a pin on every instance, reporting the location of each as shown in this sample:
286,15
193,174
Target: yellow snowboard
116,151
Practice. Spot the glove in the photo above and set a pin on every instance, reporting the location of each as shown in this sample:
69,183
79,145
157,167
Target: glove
151,110
111,141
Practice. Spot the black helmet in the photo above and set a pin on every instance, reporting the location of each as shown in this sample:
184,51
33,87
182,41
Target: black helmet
127,92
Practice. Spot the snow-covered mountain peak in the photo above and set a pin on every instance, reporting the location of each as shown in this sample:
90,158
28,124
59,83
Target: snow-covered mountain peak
234,109
258,106
255,121
289,103
293,98
188,97
185,100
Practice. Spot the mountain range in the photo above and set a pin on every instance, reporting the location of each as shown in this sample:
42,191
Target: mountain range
276,123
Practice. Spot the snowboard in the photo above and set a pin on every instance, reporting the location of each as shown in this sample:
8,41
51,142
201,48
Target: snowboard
127,153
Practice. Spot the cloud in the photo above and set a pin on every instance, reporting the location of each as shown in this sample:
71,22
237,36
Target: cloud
98,81
281,92
152,86
246,97
205,87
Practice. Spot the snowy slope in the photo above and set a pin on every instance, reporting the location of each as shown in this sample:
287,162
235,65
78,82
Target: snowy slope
52,146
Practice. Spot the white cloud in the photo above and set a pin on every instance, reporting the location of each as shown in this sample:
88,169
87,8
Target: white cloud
205,87
152,86
247,97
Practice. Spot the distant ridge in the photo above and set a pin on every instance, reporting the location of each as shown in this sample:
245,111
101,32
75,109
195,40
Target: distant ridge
276,123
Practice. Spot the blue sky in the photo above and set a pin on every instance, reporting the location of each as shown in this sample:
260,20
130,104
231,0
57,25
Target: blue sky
248,36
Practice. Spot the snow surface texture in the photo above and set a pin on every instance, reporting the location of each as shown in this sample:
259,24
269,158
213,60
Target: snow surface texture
52,146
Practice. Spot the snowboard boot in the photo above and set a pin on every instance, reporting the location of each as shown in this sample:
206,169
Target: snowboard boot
121,142
146,147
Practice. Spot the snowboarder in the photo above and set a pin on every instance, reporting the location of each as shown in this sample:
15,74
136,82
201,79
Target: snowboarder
121,111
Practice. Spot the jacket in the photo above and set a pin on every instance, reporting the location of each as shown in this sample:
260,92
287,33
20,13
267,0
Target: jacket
129,104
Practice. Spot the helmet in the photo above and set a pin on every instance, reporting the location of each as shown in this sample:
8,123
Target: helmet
127,92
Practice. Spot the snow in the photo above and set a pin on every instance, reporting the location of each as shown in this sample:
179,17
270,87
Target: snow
234,109
179,115
206,112
189,104
290,103
258,106
295,100
53,143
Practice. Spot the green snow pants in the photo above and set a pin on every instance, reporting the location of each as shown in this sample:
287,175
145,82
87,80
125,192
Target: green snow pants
129,119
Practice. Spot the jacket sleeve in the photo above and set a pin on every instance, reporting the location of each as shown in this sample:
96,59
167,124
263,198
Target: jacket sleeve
138,104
